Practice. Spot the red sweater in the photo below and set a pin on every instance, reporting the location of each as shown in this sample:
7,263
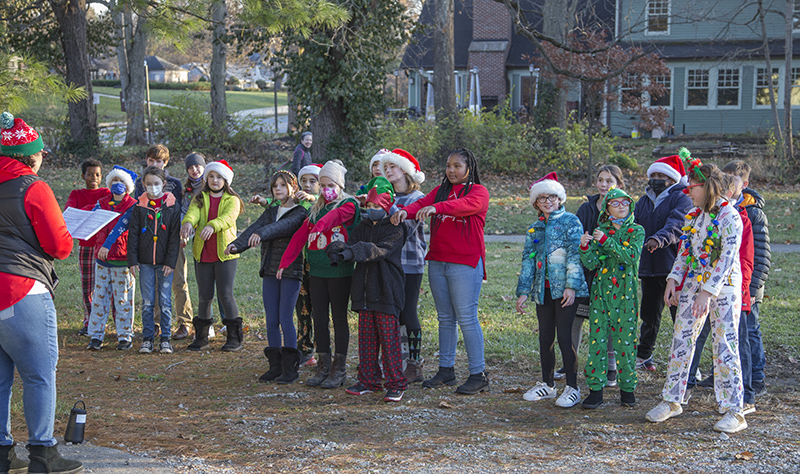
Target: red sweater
746,252
86,199
458,237
44,212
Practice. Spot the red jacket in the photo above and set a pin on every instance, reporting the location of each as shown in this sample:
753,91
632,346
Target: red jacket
85,199
44,212
458,236
119,250
746,256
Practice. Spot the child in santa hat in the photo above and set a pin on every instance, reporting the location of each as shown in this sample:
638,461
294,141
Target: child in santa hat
660,211
552,276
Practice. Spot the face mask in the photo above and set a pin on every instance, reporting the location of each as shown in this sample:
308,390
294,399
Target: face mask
330,194
118,188
155,190
376,214
657,185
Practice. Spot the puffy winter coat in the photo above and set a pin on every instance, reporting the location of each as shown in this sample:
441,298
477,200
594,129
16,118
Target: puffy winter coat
662,223
155,233
754,205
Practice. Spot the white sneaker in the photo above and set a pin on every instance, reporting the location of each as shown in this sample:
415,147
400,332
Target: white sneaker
664,411
732,422
540,391
748,408
165,347
686,396
211,333
569,398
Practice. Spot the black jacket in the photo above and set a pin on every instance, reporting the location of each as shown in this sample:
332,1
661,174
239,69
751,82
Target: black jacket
378,279
154,241
754,205
300,158
588,215
275,237
662,223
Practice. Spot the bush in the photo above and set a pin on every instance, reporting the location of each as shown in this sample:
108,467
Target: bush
178,86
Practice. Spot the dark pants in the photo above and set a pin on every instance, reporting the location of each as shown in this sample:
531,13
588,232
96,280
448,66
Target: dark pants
377,332
219,275
756,345
305,331
333,293
745,357
409,317
652,306
553,317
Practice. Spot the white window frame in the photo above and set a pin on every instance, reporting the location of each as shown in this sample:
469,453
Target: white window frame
716,89
756,105
793,86
711,98
671,92
647,18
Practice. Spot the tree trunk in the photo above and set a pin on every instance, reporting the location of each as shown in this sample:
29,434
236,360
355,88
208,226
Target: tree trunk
327,123
219,108
787,91
131,50
557,18
71,16
444,97
768,60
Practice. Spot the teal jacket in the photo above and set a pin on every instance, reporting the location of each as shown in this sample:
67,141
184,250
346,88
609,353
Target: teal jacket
552,253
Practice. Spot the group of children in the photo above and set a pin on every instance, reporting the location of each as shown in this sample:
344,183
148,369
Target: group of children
323,249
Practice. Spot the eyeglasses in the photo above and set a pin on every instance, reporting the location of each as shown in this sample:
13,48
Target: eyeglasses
689,187
544,199
625,203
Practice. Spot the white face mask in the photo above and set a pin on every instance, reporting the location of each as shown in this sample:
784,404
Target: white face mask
155,189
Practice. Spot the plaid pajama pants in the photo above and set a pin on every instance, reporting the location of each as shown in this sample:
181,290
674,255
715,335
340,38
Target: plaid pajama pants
379,332
86,267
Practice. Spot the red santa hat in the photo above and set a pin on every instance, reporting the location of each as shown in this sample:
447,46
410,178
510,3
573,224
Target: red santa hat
671,166
17,138
406,162
313,168
220,167
548,185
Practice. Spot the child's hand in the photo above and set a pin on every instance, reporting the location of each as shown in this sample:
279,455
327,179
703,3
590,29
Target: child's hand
168,271
261,201
585,239
399,217
102,254
568,298
651,245
425,212
207,232
671,296
279,274
521,304
186,230
598,235
134,270
255,240
312,237
702,304
230,248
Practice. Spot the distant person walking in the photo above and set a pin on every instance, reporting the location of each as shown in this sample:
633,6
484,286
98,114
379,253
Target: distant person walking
302,154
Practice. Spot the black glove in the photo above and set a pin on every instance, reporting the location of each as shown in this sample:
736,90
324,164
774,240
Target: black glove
346,255
335,258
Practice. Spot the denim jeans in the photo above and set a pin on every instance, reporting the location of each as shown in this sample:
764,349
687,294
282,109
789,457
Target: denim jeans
756,346
155,284
279,298
29,342
456,289
744,357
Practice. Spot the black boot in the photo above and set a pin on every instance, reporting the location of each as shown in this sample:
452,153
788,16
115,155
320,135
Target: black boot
323,369
200,334
47,460
475,384
234,333
9,463
445,376
627,398
274,358
594,400
338,372
290,364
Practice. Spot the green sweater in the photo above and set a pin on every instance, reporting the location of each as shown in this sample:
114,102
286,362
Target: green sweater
319,264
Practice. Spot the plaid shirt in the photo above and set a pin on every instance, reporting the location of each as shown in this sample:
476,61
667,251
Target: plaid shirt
413,255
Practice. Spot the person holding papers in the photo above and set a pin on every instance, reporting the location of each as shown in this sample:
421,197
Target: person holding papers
113,279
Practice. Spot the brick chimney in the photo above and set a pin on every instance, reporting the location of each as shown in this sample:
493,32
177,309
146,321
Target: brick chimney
488,51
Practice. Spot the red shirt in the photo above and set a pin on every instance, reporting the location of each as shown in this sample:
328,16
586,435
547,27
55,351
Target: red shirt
746,257
458,236
210,254
86,199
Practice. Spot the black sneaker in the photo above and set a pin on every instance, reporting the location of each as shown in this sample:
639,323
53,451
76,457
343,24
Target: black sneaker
612,378
147,347
359,389
95,345
594,400
759,388
84,331
124,345
627,399
707,382
560,374
393,396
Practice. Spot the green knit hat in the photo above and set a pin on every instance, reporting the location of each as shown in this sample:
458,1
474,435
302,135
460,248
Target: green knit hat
380,192
17,139
616,193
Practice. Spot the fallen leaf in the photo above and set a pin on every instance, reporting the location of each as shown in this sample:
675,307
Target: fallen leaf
745,456
792,360
506,298
514,390
444,404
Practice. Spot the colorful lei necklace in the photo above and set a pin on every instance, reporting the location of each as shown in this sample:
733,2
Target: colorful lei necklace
700,266
151,218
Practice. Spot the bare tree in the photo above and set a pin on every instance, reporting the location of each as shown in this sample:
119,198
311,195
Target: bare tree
131,51
444,95
219,57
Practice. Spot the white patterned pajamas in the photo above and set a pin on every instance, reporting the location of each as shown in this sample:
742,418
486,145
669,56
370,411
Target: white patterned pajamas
722,278
115,283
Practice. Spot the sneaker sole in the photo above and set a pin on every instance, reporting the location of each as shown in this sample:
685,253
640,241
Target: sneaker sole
353,392
145,352
739,428
671,414
440,385
628,404
388,400
540,398
749,411
232,349
473,392
591,407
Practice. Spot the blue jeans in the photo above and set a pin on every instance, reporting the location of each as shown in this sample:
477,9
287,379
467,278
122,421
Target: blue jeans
155,284
756,346
456,289
29,342
744,357
279,299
